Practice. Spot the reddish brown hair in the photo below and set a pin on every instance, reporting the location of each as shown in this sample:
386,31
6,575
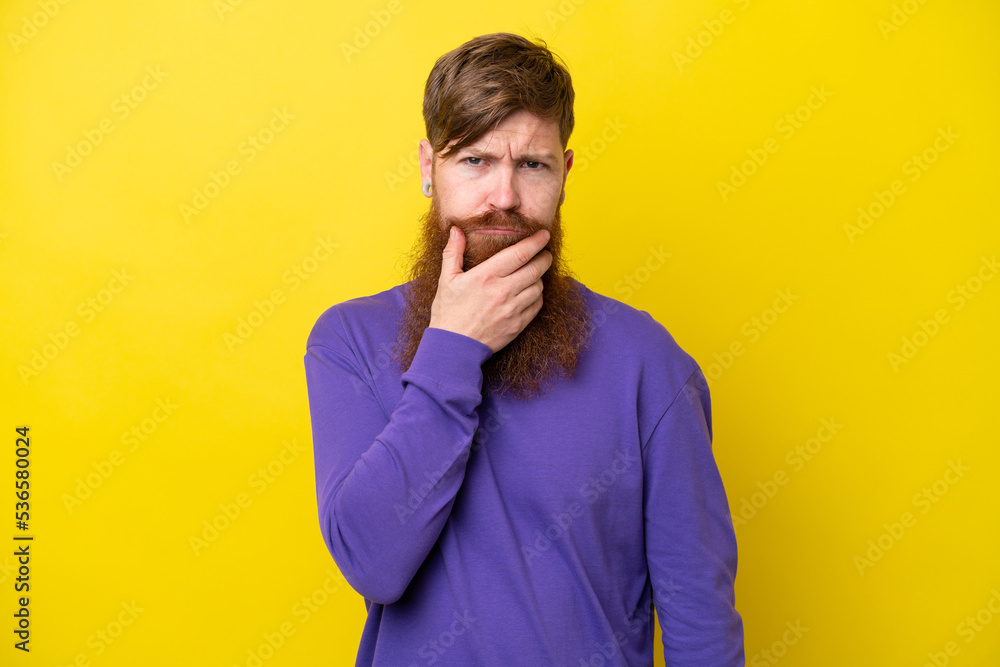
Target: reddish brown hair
476,86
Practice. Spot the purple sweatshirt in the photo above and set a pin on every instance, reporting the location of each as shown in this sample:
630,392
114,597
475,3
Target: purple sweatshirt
498,531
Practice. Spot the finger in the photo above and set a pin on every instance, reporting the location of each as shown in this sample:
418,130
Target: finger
531,294
510,259
533,271
534,296
535,290
454,253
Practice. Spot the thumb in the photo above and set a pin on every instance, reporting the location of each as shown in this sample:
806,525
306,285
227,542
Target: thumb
454,253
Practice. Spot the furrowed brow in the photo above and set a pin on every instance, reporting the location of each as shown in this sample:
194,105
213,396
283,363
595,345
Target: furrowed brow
526,157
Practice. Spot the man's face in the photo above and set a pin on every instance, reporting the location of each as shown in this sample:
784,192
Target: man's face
511,178
517,168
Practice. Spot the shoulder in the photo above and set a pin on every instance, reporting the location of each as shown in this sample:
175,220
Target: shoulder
350,319
641,350
636,333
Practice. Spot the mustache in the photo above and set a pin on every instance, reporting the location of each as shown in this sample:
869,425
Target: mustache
496,219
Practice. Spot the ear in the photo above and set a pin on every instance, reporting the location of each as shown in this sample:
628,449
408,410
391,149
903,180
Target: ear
568,164
426,160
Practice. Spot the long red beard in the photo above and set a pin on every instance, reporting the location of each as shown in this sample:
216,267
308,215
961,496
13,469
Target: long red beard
548,347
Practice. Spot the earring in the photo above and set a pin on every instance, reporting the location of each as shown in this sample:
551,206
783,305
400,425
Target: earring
427,189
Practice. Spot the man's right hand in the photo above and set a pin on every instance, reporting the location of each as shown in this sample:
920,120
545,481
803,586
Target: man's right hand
495,300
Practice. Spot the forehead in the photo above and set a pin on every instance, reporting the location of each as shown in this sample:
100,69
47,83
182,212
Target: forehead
520,131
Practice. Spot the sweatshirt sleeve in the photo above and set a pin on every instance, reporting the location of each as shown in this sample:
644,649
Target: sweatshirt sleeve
690,539
385,485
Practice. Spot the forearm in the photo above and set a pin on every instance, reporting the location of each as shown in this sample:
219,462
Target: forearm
382,510
691,544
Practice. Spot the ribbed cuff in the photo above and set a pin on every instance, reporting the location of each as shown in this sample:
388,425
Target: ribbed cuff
450,358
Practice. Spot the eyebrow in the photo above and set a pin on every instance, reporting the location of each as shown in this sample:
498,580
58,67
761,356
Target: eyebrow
527,157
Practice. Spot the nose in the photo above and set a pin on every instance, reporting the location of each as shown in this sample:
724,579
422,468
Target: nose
503,193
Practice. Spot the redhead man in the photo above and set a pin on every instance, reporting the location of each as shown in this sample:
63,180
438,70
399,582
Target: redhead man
512,469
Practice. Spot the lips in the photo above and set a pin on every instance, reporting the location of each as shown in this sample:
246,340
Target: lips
499,230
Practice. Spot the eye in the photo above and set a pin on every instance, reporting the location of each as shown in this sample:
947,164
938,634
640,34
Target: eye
537,165
474,158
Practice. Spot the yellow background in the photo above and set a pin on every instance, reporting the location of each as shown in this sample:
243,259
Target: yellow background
658,133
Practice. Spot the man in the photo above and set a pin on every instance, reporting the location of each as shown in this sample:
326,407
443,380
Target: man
511,468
